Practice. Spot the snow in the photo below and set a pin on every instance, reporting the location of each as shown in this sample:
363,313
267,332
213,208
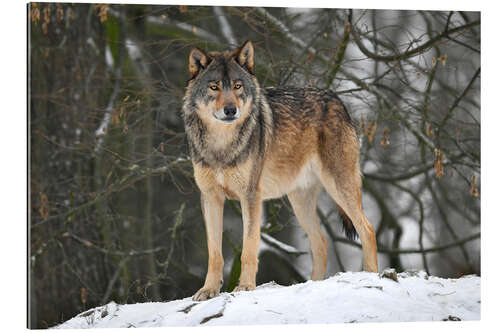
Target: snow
344,298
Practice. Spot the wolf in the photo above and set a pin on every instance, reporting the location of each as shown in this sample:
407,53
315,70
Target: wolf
251,144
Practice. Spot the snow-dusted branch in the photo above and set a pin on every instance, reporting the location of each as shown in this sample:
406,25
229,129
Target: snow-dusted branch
101,131
202,33
296,40
225,27
273,242
135,54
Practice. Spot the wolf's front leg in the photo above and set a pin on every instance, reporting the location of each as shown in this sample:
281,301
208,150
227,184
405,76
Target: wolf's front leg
212,205
252,211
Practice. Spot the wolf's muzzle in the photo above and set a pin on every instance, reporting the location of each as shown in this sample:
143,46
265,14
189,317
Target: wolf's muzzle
228,114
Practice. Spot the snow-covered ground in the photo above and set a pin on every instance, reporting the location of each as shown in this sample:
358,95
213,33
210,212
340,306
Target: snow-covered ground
344,298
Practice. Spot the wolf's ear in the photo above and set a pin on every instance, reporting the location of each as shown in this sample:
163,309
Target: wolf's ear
198,61
244,56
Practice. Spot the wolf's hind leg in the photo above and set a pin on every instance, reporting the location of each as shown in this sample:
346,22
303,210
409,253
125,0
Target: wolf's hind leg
212,206
345,189
304,202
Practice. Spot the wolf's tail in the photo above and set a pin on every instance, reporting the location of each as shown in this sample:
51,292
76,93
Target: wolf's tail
347,226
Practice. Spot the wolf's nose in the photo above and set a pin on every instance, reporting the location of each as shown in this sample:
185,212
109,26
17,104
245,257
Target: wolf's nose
230,111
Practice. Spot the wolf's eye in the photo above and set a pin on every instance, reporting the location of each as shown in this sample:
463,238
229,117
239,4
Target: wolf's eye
237,86
214,87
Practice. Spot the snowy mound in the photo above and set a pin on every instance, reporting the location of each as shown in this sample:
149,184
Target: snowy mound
343,298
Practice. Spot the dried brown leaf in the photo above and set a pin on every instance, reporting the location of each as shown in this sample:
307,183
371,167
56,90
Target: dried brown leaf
438,162
372,128
443,59
473,189
35,14
429,131
46,14
385,137
59,13
83,295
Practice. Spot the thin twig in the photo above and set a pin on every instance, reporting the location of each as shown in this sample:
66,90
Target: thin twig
131,253
112,282
456,102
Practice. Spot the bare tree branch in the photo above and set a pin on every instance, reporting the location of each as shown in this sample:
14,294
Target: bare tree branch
225,27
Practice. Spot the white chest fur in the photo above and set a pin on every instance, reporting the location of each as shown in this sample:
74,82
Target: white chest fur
219,175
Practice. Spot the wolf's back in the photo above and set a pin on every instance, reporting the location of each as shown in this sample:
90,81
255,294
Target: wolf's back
301,107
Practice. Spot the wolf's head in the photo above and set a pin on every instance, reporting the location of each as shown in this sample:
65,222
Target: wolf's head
222,84
225,114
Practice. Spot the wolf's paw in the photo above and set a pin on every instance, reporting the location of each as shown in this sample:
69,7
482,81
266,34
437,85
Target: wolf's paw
205,293
244,287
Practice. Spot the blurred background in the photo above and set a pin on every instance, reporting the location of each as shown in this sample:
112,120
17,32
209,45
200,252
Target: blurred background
114,210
